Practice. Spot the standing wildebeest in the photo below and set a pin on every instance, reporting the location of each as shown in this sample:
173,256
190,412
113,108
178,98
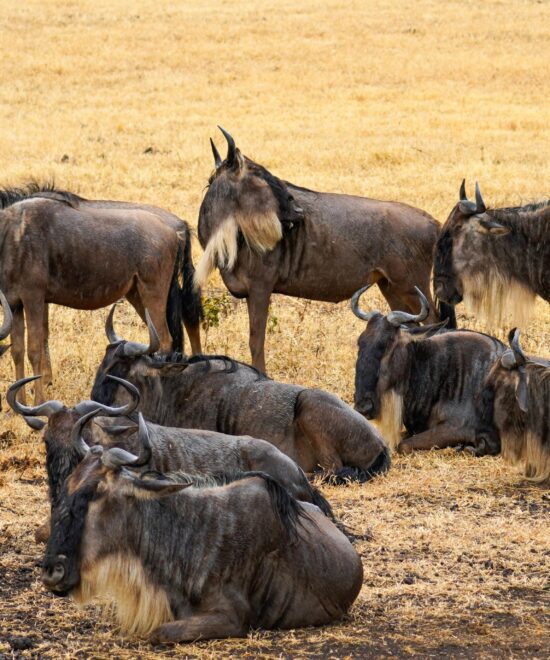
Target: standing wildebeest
315,428
497,260
161,448
5,329
269,236
425,381
516,399
56,247
196,563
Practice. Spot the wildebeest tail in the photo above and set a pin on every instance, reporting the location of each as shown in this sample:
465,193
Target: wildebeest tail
284,504
184,301
348,474
447,313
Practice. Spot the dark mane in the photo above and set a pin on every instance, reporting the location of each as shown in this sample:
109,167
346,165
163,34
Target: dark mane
285,200
10,196
179,358
512,212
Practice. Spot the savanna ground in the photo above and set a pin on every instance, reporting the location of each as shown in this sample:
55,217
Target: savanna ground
394,100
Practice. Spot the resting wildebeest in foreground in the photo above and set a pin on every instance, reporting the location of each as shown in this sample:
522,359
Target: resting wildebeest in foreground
163,449
269,236
183,563
315,428
57,247
424,378
516,399
497,260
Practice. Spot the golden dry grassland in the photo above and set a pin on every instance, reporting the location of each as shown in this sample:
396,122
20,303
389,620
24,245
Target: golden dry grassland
393,100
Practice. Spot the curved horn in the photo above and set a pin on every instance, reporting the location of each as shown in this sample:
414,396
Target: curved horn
77,441
217,157
8,317
397,318
116,457
145,451
513,339
462,193
480,204
109,329
364,316
134,349
231,147
44,409
85,407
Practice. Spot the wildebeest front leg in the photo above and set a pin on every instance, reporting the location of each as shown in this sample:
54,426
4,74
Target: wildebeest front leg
46,370
18,348
258,306
441,436
34,315
198,626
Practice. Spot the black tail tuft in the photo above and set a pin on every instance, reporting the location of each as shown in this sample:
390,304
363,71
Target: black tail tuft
319,500
447,313
184,302
346,475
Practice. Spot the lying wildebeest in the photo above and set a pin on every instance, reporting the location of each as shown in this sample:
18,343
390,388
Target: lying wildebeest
425,381
160,448
5,329
315,428
269,236
196,563
497,260
516,399
60,248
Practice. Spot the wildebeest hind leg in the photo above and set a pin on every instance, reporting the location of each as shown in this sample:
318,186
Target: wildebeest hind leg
441,436
18,348
199,626
141,300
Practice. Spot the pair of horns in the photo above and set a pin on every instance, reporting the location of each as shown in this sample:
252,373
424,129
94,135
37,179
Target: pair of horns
115,457
231,149
396,318
514,357
48,408
5,329
132,348
466,206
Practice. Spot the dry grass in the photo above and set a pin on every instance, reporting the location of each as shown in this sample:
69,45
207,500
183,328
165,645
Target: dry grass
388,99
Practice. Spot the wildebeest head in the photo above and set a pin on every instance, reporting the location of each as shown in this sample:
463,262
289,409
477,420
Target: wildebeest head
461,247
5,328
377,343
245,201
85,512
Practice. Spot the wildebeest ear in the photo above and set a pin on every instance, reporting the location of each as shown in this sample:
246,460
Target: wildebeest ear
522,396
151,488
487,226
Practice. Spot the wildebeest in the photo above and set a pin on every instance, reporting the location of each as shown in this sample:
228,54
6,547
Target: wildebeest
269,236
516,399
183,563
423,378
5,329
497,260
56,247
163,449
315,428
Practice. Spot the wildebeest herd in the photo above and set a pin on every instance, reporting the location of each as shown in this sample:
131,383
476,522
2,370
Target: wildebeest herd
181,490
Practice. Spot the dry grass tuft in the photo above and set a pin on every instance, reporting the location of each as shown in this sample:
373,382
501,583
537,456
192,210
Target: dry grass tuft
388,99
